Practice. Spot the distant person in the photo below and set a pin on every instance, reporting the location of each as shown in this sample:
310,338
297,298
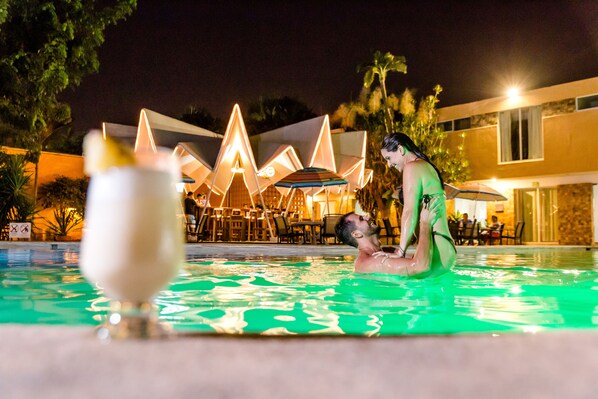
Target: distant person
190,206
361,232
202,201
465,220
421,184
492,230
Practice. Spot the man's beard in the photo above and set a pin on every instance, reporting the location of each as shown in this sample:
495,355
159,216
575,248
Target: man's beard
375,230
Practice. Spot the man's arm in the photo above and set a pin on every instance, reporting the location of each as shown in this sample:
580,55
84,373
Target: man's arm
393,264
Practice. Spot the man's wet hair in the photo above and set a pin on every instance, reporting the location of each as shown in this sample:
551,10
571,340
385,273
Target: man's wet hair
343,229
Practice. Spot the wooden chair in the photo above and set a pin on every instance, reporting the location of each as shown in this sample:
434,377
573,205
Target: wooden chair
237,228
517,234
496,235
330,221
296,231
455,233
282,231
198,231
389,231
469,233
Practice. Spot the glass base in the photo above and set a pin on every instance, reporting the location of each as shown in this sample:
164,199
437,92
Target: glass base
136,320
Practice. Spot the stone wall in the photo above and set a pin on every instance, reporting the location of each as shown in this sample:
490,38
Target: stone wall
566,106
575,214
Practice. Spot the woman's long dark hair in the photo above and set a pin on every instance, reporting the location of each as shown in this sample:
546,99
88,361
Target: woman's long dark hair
391,144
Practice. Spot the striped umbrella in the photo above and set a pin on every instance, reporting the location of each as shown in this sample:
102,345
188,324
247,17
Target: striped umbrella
185,178
311,177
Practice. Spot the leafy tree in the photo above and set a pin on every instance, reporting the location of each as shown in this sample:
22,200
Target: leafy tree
270,113
16,205
3,10
46,47
375,111
67,197
201,117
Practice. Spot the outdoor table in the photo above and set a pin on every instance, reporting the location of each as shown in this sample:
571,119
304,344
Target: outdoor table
313,225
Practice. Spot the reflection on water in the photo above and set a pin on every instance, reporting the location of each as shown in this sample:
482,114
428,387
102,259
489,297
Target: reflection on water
527,291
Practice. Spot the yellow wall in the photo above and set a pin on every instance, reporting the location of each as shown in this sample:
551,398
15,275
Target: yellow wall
569,147
51,165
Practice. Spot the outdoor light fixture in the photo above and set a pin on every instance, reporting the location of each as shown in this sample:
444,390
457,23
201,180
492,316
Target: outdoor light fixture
513,92
267,172
237,168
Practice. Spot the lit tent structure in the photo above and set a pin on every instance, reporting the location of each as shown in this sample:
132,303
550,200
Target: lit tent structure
124,133
349,153
264,159
305,144
310,141
160,130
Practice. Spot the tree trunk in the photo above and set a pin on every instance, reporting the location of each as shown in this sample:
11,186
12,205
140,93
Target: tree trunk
35,182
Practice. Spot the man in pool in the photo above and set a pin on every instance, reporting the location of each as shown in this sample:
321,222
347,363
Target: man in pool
361,232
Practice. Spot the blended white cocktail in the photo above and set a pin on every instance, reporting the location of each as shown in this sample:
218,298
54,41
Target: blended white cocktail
132,243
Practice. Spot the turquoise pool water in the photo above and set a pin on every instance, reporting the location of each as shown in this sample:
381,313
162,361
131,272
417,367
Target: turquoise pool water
514,289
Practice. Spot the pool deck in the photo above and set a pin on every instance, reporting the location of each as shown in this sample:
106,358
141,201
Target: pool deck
70,362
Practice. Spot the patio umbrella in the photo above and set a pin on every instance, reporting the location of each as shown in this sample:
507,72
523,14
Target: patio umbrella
311,178
479,192
187,179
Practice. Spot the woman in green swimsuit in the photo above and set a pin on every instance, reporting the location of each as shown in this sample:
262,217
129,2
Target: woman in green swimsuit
421,183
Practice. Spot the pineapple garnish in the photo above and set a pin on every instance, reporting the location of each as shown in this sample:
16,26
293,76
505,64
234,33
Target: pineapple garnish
102,154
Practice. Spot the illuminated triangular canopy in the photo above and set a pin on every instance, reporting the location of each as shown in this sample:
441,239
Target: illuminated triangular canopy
264,159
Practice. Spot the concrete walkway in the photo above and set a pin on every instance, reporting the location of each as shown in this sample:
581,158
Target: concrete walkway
69,362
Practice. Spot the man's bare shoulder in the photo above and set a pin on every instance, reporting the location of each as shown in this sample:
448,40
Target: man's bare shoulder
364,262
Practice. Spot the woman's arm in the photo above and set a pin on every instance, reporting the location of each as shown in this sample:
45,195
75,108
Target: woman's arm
412,194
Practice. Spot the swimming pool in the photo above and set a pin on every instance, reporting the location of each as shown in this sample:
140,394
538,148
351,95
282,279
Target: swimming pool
276,290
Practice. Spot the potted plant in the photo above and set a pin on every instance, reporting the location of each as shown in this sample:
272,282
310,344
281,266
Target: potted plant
67,197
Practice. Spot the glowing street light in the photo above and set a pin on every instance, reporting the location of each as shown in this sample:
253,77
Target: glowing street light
513,92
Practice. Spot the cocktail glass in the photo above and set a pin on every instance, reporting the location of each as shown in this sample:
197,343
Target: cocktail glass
132,244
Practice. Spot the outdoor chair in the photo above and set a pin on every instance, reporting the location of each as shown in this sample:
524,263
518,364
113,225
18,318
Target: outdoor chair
197,232
296,231
283,233
389,231
330,221
496,235
469,233
237,228
455,233
517,234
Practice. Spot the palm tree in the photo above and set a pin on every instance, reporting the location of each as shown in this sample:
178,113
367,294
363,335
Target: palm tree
380,66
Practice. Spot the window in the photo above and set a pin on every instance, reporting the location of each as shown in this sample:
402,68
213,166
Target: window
457,124
520,133
446,126
587,102
462,124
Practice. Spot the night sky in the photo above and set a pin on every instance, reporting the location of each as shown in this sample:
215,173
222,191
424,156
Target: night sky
213,54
